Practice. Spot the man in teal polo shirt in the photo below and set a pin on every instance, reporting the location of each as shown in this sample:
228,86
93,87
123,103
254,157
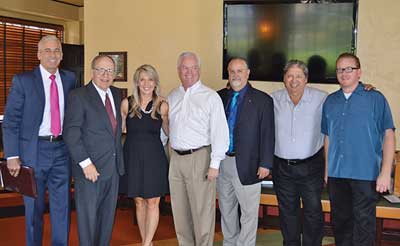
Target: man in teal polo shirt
359,148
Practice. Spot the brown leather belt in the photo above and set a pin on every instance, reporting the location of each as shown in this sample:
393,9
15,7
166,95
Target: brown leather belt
187,152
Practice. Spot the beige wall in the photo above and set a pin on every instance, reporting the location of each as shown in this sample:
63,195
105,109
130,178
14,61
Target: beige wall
45,8
50,12
379,50
155,32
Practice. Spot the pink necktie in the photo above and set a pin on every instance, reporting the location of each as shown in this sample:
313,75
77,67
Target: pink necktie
55,127
110,113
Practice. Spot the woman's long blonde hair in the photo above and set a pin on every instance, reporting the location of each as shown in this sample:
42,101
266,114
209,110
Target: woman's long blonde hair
135,98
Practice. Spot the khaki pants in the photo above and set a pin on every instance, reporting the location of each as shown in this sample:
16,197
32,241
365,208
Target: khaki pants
192,198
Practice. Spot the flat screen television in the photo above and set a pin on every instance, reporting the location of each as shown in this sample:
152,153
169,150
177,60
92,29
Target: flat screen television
270,33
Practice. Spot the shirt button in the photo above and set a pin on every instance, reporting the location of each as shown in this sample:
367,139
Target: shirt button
341,156
343,113
293,140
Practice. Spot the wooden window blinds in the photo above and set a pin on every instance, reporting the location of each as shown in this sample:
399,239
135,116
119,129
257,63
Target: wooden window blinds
18,49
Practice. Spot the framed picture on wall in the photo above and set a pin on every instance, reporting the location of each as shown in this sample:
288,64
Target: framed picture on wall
121,60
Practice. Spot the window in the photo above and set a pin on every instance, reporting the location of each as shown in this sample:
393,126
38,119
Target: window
18,49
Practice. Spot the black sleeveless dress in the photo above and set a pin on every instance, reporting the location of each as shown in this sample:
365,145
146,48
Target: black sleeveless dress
146,164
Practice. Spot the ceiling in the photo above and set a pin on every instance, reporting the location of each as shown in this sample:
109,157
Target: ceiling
77,3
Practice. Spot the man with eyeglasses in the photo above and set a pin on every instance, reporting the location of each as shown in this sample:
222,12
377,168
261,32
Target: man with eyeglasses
92,131
199,138
32,136
359,149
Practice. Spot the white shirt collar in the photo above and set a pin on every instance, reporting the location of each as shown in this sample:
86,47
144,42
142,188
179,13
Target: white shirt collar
101,91
191,88
46,75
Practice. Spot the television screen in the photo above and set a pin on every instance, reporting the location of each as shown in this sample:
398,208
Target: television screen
270,34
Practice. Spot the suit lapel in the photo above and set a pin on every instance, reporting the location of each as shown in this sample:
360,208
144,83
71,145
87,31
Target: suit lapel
225,98
99,106
117,105
64,85
39,88
246,105
226,101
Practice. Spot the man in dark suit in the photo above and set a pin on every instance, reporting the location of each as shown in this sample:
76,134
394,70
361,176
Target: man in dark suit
92,131
32,136
250,115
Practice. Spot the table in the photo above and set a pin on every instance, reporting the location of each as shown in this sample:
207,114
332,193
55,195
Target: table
384,209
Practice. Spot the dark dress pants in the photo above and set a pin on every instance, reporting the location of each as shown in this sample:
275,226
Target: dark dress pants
95,208
292,182
353,211
52,172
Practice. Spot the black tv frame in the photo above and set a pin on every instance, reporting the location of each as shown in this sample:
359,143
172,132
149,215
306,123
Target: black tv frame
225,59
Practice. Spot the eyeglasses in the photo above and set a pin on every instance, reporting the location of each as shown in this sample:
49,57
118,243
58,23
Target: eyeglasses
48,51
102,71
346,69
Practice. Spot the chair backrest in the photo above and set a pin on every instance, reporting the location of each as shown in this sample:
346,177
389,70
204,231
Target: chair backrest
396,186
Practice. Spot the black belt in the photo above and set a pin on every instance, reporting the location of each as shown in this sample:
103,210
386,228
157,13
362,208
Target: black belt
186,152
51,138
295,162
231,154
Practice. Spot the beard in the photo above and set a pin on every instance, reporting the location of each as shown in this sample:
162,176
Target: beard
235,83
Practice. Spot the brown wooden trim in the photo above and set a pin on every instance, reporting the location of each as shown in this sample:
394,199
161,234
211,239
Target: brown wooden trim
67,3
31,23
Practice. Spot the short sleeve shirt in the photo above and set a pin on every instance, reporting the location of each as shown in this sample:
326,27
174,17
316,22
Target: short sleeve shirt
356,128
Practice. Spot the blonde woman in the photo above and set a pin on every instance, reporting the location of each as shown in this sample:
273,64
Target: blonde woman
144,113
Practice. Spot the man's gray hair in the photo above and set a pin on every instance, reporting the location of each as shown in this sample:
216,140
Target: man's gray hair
296,63
187,54
48,38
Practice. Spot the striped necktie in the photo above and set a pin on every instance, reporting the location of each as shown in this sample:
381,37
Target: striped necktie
232,120
110,113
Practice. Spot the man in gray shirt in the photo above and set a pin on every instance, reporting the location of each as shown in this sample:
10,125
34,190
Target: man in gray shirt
298,170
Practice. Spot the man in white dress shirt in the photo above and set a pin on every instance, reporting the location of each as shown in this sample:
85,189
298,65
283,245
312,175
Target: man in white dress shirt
199,138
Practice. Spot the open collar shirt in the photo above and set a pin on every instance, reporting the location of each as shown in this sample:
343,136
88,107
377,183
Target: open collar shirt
298,127
356,127
197,119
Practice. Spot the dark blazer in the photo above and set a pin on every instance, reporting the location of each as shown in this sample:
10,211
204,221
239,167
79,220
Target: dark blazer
89,134
24,113
254,133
